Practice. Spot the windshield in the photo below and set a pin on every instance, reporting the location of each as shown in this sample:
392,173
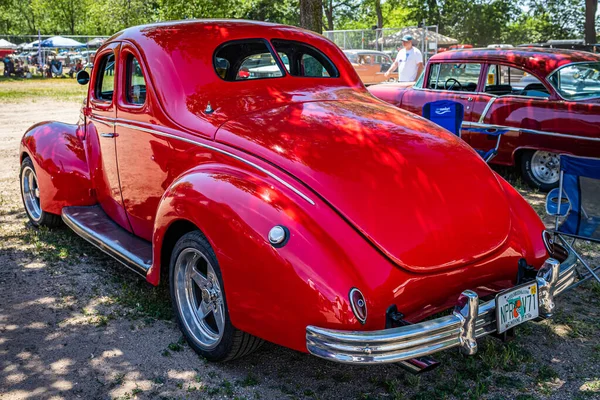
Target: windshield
577,81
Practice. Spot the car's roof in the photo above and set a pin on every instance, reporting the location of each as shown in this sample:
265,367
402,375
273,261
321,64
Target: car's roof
540,60
225,26
179,61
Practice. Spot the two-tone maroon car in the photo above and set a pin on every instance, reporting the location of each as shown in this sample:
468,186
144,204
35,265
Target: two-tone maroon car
547,101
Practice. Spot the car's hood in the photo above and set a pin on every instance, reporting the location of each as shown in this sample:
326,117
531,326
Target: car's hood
420,195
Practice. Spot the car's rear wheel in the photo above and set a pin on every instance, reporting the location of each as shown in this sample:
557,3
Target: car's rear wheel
540,169
199,302
30,193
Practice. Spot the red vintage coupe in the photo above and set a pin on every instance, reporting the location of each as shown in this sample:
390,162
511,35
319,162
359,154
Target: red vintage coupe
548,101
294,208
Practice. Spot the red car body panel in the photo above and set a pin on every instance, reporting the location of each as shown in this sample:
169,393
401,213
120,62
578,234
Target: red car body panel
326,156
551,124
373,197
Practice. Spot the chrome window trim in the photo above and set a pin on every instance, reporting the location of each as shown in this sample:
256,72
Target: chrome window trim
224,152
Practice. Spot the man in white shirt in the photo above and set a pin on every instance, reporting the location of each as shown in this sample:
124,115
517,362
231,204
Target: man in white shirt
409,61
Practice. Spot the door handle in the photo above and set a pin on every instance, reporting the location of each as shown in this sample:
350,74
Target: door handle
468,98
108,135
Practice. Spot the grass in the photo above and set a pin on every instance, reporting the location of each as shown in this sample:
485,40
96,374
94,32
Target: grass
37,88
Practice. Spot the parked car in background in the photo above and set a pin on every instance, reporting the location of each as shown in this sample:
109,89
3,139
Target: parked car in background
370,65
572,44
294,208
547,99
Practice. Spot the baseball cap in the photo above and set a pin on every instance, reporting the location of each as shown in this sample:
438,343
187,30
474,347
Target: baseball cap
407,38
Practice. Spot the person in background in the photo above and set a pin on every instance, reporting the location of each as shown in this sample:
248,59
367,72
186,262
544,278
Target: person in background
409,62
19,70
76,68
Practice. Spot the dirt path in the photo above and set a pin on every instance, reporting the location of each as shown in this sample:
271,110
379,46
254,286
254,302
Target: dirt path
75,324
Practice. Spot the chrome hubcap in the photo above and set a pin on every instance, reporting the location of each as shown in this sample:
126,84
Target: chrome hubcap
545,166
199,298
31,193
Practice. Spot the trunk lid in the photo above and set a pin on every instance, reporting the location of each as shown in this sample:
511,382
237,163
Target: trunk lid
422,196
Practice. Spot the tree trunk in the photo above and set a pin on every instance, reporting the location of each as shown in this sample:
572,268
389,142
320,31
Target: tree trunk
328,6
311,15
379,14
591,7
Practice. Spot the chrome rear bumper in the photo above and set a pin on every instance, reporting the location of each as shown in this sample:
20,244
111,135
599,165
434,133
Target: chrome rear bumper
469,321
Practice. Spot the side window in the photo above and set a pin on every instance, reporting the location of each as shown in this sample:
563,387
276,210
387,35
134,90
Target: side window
432,79
307,61
105,80
135,83
454,77
312,67
503,80
250,59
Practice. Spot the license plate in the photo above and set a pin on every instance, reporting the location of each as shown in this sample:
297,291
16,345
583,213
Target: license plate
517,305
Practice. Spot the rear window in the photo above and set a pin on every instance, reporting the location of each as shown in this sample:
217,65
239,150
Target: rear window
303,60
254,59
245,60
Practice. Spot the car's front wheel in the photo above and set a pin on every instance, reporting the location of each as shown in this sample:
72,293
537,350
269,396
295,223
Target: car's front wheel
30,193
540,169
199,302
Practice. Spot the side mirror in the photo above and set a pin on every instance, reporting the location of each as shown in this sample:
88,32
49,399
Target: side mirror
83,77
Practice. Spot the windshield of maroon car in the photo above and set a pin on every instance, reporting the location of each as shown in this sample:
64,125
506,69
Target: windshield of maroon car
577,81
255,59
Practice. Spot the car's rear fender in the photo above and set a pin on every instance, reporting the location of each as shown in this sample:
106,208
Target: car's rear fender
58,154
273,293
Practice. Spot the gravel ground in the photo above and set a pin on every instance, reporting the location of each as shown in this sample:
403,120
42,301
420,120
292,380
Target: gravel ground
75,324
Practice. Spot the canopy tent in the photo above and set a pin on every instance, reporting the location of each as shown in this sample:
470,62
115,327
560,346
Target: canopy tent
61,42
97,42
5,44
31,46
395,39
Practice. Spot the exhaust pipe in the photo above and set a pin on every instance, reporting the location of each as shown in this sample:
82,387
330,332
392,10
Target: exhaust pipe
419,365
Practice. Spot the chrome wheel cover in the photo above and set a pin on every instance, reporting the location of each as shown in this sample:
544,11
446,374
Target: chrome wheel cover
545,167
199,298
31,193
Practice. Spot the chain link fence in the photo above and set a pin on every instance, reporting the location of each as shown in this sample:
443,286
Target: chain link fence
387,40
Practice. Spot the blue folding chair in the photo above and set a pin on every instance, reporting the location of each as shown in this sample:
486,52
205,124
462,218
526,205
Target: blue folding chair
575,204
445,113
450,114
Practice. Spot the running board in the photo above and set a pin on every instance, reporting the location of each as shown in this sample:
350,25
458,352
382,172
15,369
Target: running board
92,224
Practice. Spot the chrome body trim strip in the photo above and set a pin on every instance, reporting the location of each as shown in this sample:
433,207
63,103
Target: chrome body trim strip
101,239
103,120
468,322
532,131
490,126
486,109
207,146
